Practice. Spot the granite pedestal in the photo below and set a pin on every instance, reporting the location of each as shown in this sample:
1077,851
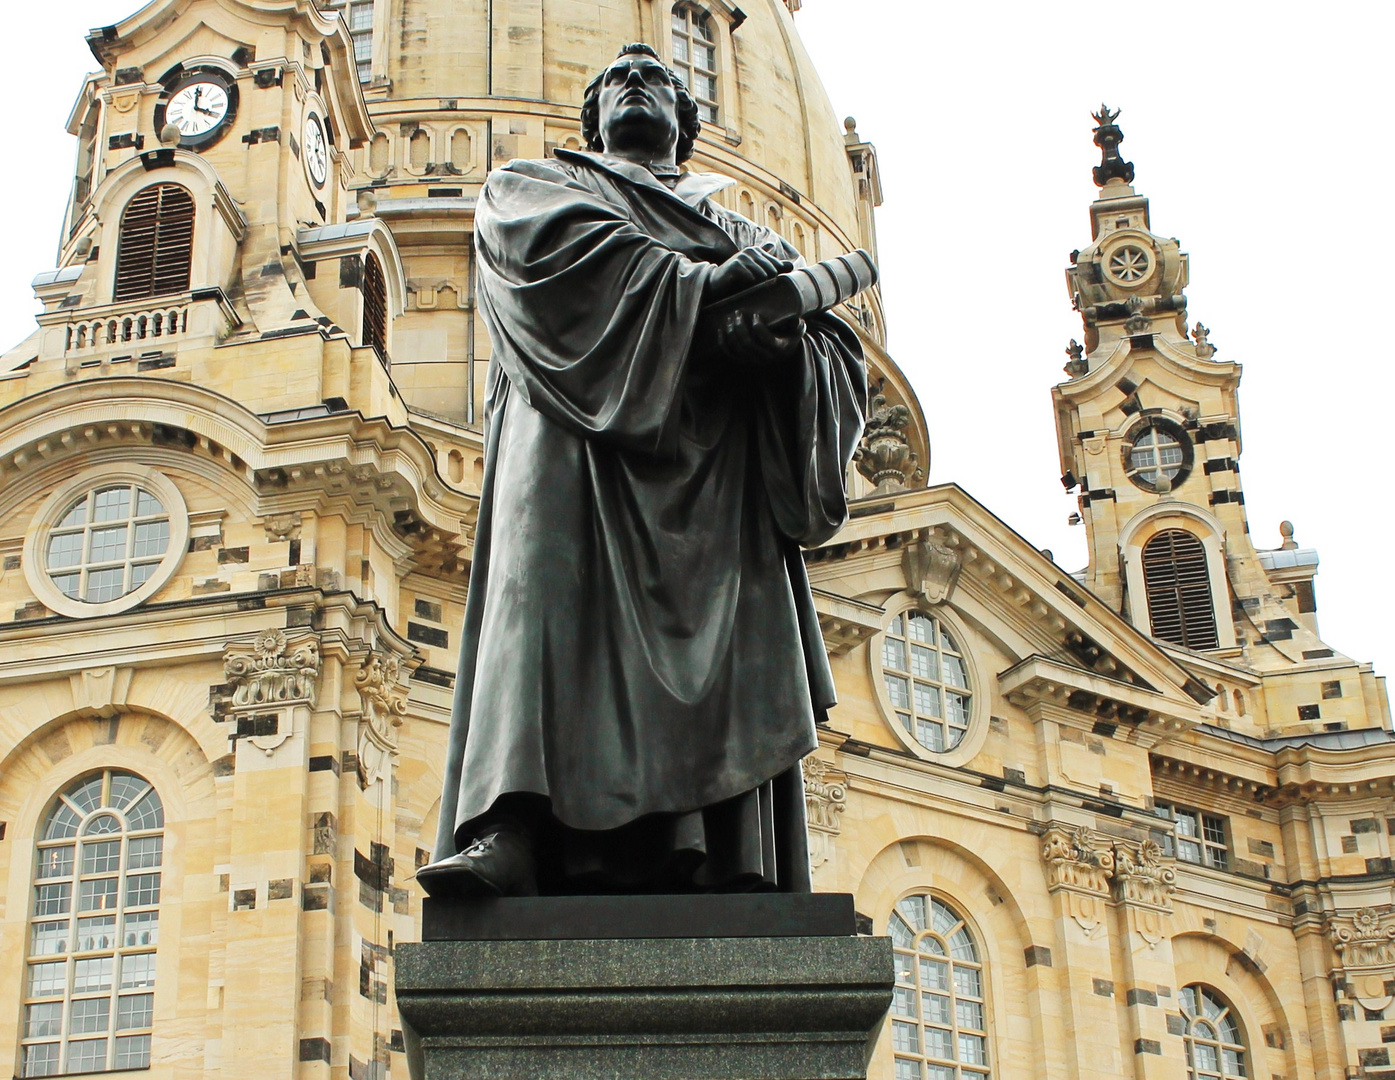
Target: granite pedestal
765,987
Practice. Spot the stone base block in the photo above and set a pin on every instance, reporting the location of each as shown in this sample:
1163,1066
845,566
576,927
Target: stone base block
726,1005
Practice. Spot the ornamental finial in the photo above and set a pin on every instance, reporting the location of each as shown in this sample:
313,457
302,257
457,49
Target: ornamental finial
1107,138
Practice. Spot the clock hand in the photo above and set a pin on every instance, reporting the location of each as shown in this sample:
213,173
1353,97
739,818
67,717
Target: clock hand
206,112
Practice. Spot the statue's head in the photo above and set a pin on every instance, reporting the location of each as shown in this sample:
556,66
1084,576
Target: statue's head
638,106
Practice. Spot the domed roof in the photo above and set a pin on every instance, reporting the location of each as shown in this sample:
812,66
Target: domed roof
773,117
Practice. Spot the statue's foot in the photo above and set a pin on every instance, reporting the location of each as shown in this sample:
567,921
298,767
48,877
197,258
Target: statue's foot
500,864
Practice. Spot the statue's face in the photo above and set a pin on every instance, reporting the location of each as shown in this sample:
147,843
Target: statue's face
638,108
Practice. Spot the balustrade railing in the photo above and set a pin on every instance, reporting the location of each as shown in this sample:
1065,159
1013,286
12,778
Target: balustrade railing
135,326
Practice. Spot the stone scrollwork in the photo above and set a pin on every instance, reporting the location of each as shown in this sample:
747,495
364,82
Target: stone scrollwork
825,799
1365,939
1142,876
1075,859
384,702
272,670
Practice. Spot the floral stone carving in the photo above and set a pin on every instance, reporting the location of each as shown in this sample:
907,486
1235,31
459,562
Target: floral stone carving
272,670
1365,940
825,799
384,704
1075,861
1141,876
884,455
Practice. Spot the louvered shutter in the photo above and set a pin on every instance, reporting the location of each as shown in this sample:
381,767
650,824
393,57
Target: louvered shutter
374,305
156,243
1179,590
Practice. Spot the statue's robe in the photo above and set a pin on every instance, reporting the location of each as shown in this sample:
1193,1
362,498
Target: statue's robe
641,656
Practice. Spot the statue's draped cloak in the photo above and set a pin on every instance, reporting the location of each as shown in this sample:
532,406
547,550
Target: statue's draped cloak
640,646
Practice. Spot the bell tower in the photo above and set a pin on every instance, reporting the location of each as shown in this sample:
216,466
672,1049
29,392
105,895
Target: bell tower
1148,426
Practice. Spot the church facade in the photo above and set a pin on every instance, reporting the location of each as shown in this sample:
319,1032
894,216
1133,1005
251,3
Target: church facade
1131,821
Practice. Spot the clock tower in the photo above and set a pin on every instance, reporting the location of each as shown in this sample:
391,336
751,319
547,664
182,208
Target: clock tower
1148,425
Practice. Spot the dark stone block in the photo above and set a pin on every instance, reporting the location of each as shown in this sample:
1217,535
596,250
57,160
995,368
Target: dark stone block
425,609
428,635
771,915
1176,1025
1369,1058
1137,996
1147,1046
1374,1014
1037,954
325,763
434,676
280,889
1378,866
1104,987
1365,825
315,898
233,555
244,899
314,1050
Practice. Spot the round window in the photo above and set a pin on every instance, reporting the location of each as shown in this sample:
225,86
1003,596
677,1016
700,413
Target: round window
1129,264
927,680
106,541
1158,456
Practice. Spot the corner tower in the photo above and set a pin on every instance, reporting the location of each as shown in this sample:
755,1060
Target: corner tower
1148,426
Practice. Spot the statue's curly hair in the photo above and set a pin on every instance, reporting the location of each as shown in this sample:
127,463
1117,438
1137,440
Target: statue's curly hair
688,123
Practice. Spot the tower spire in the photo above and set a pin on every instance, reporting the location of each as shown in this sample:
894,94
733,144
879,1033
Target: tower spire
1107,138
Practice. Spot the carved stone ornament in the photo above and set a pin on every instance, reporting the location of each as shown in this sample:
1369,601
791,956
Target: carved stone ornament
384,703
272,670
931,570
1075,859
1365,939
1202,337
884,456
283,526
1142,875
1107,138
825,799
1077,365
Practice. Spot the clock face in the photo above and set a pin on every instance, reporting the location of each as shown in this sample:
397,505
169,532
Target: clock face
316,151
197,108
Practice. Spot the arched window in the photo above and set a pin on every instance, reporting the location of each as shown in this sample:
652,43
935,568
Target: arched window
939,1028
1178,584
374,305
927,680
89,981
155,246
1215,1045
695,57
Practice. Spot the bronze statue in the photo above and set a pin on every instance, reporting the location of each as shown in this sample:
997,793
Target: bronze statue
641,667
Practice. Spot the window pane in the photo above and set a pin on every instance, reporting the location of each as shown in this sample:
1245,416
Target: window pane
112,504
958,708
145,851
88,1055
98,895
134,1011
76,516
969,1015
108,544
151,539
1188,850
47,980
971,1050
955,672
1205,1057
41,1060
102,825
939,1043
905,970
96,933
103,857
64,551
942,1072
907,1069
56,862
41,1021
912,909
133,1052
92,976
137,971
930,735
147,505
961,946
88,797
104,585
63,823
1234,1062
1186,823
893,654
53,899
922,628
142,928
927,700
936,1009
1213,829
68,584
903,1002
934,974
142,890
149,813
905,1037
901,935
89,1015
897,627
49,938
967,982
924,662
898,690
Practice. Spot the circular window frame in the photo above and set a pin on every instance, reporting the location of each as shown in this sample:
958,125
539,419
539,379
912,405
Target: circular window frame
1171,428
976,732
36,540
1140,244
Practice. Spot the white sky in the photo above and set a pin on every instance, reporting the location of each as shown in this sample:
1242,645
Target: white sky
1261,133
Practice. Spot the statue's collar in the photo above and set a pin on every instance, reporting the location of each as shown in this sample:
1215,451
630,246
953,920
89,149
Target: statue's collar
691,187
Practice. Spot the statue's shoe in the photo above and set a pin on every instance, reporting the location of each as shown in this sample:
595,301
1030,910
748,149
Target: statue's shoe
500,864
